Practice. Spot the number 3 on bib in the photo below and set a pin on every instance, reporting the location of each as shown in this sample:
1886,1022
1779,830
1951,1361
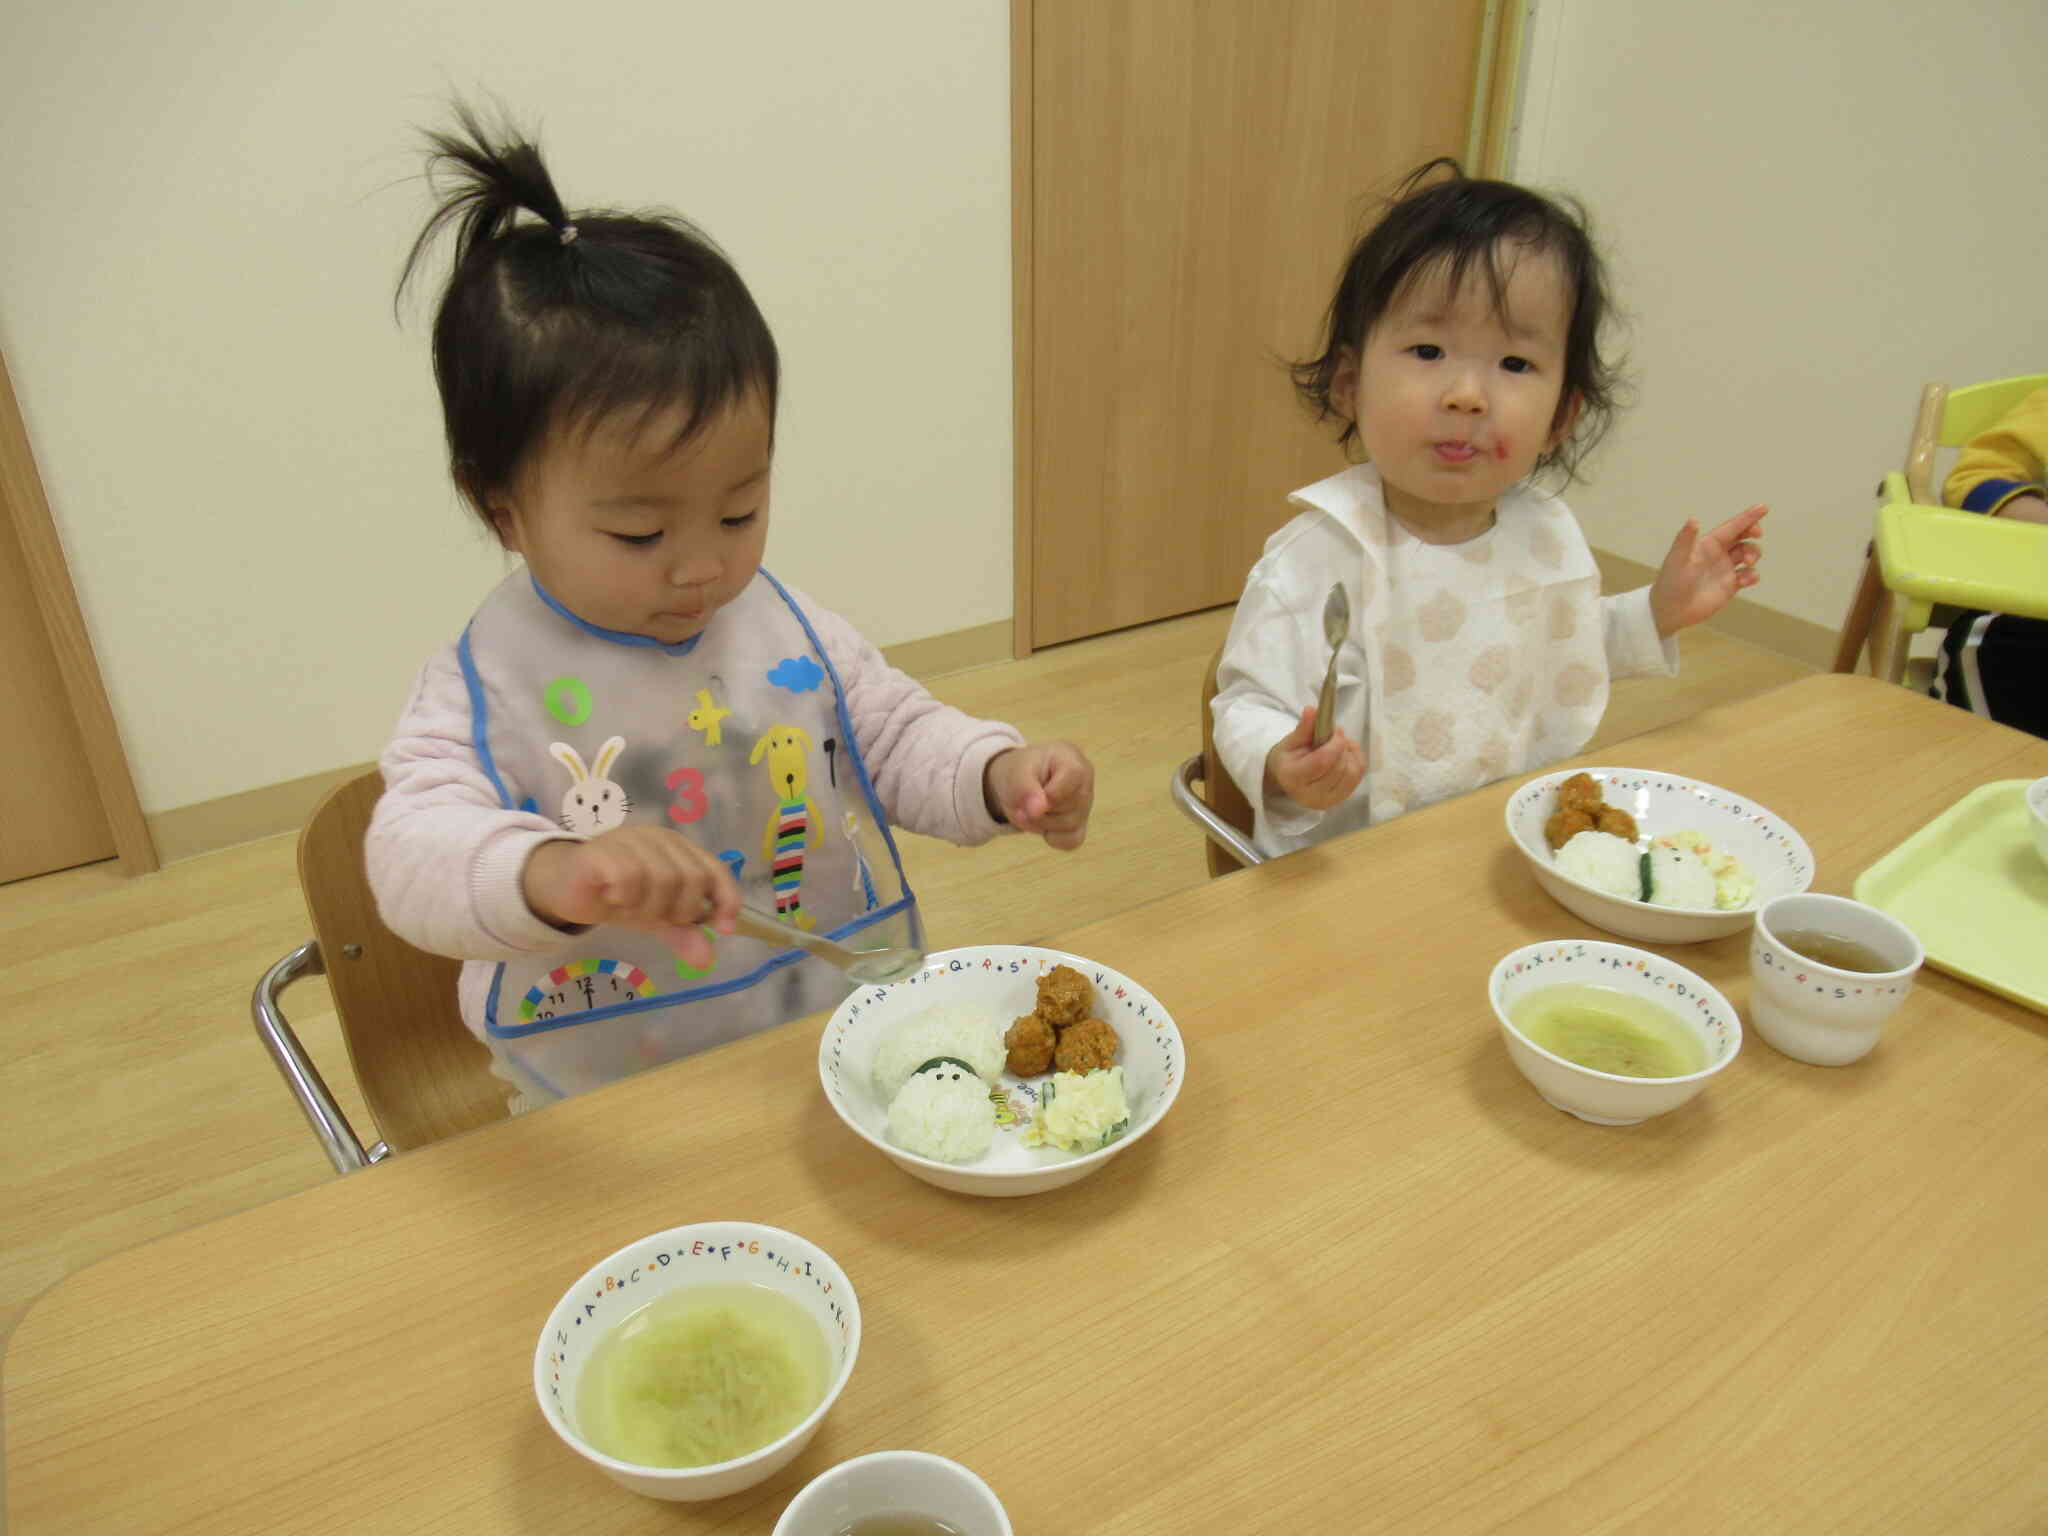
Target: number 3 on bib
689,804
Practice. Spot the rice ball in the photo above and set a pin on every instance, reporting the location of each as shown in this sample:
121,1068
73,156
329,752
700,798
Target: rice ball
944,1113
951,1029
1605,862
1678,878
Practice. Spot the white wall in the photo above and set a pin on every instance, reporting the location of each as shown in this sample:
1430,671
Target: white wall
203,207
1811,208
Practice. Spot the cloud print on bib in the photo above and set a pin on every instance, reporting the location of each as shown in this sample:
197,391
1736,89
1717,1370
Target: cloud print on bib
799,674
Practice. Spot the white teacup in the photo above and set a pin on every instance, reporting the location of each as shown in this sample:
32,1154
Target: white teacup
895,1483
1825,1014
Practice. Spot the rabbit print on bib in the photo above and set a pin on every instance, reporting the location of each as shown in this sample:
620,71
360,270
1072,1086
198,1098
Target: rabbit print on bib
592,803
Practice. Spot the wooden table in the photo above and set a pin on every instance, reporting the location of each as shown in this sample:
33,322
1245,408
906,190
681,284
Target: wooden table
1362,1278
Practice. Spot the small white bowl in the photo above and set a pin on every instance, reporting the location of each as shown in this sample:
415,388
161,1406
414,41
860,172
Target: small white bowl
1003,979
2037,807
1606,1098
893,1483
1769,849
705,1253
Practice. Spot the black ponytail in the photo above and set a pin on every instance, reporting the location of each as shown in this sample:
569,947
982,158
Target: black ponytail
555,321
492,187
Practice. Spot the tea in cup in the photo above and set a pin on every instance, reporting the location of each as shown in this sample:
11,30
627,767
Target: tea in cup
895,1492
1825,973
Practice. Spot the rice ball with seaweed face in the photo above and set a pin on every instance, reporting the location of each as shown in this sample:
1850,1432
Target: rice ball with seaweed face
1678,878
952,1029
944,1112
1605,862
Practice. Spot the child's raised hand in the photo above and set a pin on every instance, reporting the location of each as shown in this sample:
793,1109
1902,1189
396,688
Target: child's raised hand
638,877
1312,776
1046,789
1703,571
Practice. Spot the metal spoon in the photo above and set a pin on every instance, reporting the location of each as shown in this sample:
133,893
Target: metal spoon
1336,625
870,967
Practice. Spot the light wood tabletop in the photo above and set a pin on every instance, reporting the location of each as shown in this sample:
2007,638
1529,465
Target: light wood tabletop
1361,1278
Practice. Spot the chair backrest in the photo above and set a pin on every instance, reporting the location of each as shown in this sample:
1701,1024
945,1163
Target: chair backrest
422,1073
1949,418
1976,407
1219,790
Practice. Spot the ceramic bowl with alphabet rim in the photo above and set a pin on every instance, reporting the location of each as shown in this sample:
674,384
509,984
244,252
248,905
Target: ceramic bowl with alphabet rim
704,1253
1002,981
1775,856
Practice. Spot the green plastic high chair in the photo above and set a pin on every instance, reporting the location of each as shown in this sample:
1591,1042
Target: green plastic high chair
1926,561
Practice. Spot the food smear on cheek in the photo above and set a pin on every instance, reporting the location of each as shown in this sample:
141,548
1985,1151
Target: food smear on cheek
1500,448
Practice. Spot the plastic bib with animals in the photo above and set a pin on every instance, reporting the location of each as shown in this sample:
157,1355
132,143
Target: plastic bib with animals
737,739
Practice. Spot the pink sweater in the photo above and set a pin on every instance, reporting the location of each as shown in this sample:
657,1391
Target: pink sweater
445,858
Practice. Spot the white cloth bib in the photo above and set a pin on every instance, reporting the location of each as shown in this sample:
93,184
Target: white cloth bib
1465,663
1485,657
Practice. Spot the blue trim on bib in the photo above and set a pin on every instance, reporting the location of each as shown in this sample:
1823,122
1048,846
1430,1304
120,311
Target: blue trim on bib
615,636
860,766
480,718
787,958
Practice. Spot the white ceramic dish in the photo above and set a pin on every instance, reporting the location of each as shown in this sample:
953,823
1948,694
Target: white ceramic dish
1003,979
1604,1098
1769,849
2037,809
706,1253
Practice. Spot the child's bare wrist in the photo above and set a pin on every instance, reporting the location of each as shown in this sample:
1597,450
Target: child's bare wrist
991,798
539,879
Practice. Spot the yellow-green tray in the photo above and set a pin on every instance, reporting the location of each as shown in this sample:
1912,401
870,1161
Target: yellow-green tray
1964,558
1970,884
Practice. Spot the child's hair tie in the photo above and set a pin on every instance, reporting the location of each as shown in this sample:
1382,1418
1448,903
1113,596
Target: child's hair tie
568,234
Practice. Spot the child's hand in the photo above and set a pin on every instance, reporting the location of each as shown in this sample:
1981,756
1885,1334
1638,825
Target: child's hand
1703,571
1316,777
1044,789
2026,509
638,877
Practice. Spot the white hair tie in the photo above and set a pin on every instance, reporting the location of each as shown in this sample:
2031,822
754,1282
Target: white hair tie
568,234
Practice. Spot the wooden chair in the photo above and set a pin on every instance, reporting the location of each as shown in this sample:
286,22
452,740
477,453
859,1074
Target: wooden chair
1205,791
1928,563
422,1073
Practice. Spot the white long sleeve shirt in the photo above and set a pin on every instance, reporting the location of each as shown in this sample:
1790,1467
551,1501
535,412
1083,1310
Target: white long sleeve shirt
1465,662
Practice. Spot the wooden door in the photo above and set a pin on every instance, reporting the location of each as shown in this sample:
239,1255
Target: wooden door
66,796
50,815
1189,179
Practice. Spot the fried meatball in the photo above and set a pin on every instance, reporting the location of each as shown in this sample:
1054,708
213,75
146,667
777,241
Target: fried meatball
1029,1042
1565,825
1612,818
1579,791
1064,996
1086,1047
